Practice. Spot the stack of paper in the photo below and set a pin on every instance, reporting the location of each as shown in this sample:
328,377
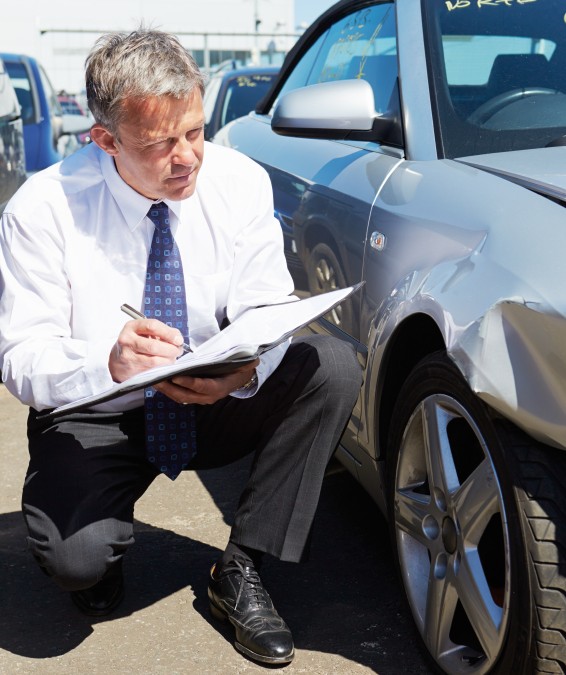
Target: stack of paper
255,331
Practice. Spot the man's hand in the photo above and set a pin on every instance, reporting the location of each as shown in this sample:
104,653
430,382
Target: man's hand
141,345
206,390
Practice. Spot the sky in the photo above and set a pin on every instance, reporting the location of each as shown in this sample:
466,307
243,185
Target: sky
306,11
62,54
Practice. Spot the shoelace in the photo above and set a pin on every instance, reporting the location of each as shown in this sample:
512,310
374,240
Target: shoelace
251,582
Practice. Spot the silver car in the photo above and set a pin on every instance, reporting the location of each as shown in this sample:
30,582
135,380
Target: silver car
418,145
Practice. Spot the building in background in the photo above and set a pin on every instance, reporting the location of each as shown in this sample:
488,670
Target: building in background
60,33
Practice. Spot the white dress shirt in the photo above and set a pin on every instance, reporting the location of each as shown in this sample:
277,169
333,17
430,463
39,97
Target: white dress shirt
74,245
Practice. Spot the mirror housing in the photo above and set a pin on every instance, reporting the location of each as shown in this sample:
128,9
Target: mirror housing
340,110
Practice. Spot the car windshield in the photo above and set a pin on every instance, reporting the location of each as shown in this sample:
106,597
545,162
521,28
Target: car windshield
498,74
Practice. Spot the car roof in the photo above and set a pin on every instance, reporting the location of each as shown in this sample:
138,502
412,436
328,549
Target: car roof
245,70
9,56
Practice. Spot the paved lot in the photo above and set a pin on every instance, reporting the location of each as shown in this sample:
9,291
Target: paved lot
344,605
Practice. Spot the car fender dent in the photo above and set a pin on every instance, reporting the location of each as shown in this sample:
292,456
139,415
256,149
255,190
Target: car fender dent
513,356
514,359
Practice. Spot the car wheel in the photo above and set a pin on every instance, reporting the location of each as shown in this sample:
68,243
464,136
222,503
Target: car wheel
325,274
477,516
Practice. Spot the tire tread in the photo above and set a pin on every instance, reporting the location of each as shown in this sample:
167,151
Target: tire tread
539,475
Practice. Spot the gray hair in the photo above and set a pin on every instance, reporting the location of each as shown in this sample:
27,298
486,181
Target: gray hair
137,65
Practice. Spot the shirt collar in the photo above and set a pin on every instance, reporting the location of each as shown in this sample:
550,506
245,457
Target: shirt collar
134,207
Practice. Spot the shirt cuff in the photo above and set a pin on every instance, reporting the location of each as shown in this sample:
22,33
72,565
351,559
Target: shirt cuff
268,362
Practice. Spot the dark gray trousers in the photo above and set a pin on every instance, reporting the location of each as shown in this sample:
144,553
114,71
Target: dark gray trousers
88,469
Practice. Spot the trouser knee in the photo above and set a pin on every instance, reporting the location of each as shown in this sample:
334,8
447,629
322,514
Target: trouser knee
340,371
80,560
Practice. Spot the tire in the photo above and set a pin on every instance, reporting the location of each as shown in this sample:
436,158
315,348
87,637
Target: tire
477,516
324,274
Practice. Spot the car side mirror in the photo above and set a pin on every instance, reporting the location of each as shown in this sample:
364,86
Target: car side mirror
339,110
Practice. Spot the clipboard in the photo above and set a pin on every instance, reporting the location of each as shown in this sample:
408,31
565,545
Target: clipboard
251,334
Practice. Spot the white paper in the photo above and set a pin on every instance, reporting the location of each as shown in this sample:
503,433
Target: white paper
255,331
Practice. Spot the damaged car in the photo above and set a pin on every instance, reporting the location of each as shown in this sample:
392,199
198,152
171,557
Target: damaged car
419,146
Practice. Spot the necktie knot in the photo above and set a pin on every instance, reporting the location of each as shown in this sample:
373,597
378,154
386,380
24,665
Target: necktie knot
159,216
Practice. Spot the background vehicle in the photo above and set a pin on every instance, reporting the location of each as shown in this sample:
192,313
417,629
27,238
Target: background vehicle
12,158
70,105
46,129
233,93
418,145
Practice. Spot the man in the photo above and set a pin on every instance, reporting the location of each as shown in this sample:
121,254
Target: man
125,220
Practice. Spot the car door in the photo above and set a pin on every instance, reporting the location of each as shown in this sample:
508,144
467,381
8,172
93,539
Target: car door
324,189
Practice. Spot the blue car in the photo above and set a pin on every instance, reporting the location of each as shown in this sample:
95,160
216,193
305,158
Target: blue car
43,118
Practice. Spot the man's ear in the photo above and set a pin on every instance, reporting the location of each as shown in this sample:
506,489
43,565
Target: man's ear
104,139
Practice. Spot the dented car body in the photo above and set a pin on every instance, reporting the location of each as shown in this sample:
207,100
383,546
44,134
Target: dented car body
495,289
419,146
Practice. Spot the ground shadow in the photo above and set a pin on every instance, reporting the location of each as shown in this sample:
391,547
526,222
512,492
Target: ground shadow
39,621
346,599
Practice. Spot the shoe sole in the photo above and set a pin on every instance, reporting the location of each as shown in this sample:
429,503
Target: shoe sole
217,613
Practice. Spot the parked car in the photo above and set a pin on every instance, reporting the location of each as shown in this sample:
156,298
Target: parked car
235,92
12,154
418,146
47,130
70,105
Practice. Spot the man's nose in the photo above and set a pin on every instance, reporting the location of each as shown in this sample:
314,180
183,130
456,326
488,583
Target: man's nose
184,153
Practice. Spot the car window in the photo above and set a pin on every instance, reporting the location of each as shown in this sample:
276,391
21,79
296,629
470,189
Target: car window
498,73
22,85
362,45
242,95
52,100
302,70
469,59
8,102
53,105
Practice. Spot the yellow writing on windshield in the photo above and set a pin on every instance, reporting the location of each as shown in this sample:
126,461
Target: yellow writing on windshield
251,81
461,4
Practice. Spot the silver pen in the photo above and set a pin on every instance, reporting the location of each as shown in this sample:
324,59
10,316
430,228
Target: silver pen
130,311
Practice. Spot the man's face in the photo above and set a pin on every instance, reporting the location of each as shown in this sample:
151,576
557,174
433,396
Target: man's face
161,145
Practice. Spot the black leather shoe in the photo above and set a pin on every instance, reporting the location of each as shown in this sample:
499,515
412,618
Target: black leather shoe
236,593
103,597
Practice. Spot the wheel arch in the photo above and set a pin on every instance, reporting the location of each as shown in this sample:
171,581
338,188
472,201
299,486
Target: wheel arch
316,231
415,338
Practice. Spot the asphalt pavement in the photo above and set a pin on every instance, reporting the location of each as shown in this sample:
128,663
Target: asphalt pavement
344,605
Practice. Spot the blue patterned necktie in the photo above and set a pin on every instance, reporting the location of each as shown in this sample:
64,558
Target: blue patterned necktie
169,427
